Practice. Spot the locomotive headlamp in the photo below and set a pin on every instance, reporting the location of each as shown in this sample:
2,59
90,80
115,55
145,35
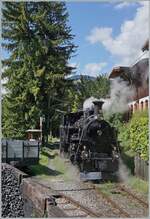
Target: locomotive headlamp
85,153
99,132
116,156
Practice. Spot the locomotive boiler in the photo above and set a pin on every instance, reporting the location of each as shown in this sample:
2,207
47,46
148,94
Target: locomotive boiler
90,143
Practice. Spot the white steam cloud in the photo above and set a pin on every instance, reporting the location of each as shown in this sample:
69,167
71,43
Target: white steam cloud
120,95
88,103
124,173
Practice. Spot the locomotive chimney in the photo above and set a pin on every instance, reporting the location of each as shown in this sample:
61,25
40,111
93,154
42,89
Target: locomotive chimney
98,107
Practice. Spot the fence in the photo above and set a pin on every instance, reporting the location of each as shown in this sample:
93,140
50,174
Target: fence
141,168
21,152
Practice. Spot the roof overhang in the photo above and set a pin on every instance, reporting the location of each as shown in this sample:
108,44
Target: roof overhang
119,71
145,46
34,130
116,72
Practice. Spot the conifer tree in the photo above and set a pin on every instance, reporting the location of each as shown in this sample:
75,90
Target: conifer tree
39,42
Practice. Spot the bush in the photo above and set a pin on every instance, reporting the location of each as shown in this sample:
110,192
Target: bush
134,135
138,128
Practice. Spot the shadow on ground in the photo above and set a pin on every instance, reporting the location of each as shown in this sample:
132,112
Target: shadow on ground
41,169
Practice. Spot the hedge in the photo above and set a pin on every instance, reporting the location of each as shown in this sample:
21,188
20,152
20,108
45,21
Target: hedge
134,134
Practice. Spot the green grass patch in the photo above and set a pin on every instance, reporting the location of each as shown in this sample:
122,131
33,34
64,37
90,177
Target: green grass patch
58,163
43,159
51,165
107,187
138,184
40,168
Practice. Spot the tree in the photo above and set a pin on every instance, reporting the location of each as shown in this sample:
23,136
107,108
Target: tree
85,88
40,44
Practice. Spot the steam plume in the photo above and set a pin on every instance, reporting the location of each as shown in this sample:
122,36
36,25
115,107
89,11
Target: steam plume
124,173
88,103
120,95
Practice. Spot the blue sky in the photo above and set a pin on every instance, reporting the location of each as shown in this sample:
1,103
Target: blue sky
107,34
93,55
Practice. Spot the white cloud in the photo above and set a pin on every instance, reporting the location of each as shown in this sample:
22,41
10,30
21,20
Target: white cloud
94,69
126,46
74,65
122,5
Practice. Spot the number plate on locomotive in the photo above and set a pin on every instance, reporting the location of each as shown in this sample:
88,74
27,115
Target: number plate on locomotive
91,176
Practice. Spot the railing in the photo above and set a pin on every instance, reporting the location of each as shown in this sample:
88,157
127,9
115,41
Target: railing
23,152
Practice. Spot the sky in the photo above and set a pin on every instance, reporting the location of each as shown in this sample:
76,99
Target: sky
107,34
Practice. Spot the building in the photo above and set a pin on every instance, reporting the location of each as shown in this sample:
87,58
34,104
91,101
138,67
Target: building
137,78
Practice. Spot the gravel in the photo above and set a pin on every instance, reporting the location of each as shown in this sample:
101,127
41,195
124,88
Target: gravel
12,202
88,198
129,204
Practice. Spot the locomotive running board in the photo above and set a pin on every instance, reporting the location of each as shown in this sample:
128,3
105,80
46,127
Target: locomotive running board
90,176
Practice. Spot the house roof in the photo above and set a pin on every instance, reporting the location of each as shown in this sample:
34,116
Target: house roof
145,46
121,71
136,74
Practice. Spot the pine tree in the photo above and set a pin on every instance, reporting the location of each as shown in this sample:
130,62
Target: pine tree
40,44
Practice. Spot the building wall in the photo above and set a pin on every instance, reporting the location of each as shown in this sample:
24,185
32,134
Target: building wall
141,104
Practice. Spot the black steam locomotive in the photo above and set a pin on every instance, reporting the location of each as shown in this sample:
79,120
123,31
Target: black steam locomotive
90,143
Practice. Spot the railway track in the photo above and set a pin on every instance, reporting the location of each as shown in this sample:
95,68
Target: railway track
68,204
117,209
131,197
116,206
73,208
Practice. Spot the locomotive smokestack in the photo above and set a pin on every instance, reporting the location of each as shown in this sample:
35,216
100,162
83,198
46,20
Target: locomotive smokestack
98,107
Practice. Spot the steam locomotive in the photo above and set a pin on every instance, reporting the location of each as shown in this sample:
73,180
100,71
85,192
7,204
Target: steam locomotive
90,143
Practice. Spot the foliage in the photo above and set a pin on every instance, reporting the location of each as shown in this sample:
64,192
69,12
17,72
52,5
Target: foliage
138,133
39,42
85,88
134,135
115,120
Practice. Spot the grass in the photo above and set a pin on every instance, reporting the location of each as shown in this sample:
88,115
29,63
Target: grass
51,166
138,184
67,170
42,167
43,159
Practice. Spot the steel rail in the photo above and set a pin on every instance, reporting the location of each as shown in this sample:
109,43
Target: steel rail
72,201
121,187
81,207
108,199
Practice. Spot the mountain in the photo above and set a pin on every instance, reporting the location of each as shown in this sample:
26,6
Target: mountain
78,77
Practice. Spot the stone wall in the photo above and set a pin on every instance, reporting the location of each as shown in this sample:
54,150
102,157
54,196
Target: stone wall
38,200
